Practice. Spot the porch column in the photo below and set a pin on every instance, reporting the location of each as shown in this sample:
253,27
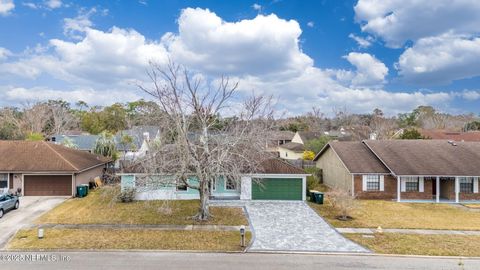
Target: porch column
457,189
398,189
437,193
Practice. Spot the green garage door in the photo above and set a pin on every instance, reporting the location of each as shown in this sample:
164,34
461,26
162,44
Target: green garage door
277,189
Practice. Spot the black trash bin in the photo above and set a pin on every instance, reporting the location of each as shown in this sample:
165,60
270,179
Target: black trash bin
319,197
312,195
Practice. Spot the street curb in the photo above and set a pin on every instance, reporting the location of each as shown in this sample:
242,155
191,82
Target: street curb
242,252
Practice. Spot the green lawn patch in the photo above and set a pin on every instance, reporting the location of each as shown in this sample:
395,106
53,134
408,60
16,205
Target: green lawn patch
99,207
410,244
127,239
389,214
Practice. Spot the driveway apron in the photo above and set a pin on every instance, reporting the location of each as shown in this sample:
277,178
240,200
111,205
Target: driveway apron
294,226
31,207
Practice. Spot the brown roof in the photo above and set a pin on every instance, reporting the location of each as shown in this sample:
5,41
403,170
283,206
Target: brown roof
40,156
309,135
356,157
278,166
428,157
435,134
297,147
281,135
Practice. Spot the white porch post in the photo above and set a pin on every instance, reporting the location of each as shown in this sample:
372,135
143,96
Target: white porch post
437,193
457,189
398,189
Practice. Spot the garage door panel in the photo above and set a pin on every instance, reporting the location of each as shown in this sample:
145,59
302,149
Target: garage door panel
277,189
48,185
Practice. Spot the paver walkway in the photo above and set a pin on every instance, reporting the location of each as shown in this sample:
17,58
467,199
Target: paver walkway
292,226
407,231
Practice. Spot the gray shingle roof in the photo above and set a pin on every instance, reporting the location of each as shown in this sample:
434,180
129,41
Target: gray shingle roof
428,157
356,157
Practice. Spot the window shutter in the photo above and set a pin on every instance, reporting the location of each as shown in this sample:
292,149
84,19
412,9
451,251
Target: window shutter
421,185
475,185
403,185
364,182
382,183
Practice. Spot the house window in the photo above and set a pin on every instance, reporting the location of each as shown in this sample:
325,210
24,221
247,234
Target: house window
466,184
373,182
181,187
230,184
213,185
3,180
411,184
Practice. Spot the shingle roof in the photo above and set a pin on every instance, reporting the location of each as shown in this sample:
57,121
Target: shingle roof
309,135
470,136
297,147
356,157
83,142
137,134
40,156
428,157
278,166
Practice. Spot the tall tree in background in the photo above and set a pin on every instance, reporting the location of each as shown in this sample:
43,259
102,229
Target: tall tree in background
200,151
105,146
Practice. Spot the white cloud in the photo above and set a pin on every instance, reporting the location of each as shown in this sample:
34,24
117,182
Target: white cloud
257,7
265,44
53,4
76,27
362,42
441,59
30,5
18,95
4,54
470,95
6,7
397,21
263,53
311,24
370,72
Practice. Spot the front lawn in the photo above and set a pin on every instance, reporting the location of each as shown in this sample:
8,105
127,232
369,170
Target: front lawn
414,244
127,239
99,207
388,214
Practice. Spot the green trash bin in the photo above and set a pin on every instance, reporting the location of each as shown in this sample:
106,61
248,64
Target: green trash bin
313,198
81,191
319,197
87,189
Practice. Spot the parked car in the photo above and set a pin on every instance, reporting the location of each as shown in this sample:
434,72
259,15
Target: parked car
8,202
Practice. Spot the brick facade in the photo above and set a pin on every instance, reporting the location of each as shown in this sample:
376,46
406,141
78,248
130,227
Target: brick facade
447,191
390,190
389,193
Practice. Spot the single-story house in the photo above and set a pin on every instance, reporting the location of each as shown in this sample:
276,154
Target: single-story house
426,170
291,150
276,180
41,168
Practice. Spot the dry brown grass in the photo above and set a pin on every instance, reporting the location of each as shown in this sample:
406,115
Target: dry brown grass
99,208
127,239
411,244
473,206
388,214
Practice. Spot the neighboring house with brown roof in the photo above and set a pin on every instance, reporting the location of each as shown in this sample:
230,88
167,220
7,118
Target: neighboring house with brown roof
39,168
275,180
291,150
431,170
437,134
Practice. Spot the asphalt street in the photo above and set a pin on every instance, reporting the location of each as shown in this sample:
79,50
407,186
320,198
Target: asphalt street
212,261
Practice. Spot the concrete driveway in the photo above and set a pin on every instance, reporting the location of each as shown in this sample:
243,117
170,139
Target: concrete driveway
31,207
294,226
291,226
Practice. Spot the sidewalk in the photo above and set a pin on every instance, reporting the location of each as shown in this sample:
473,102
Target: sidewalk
407,231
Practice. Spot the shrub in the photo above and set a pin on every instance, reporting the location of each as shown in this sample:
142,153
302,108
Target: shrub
343,202
127,195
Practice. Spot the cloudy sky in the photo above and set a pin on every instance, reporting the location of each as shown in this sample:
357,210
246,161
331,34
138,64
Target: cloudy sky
390,54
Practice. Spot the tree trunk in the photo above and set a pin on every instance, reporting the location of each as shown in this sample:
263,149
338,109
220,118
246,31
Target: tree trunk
204,210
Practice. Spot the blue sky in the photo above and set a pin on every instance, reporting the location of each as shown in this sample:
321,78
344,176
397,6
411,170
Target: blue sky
390,54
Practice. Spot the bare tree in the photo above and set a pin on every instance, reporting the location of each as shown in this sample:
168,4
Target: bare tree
62,118
205,146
